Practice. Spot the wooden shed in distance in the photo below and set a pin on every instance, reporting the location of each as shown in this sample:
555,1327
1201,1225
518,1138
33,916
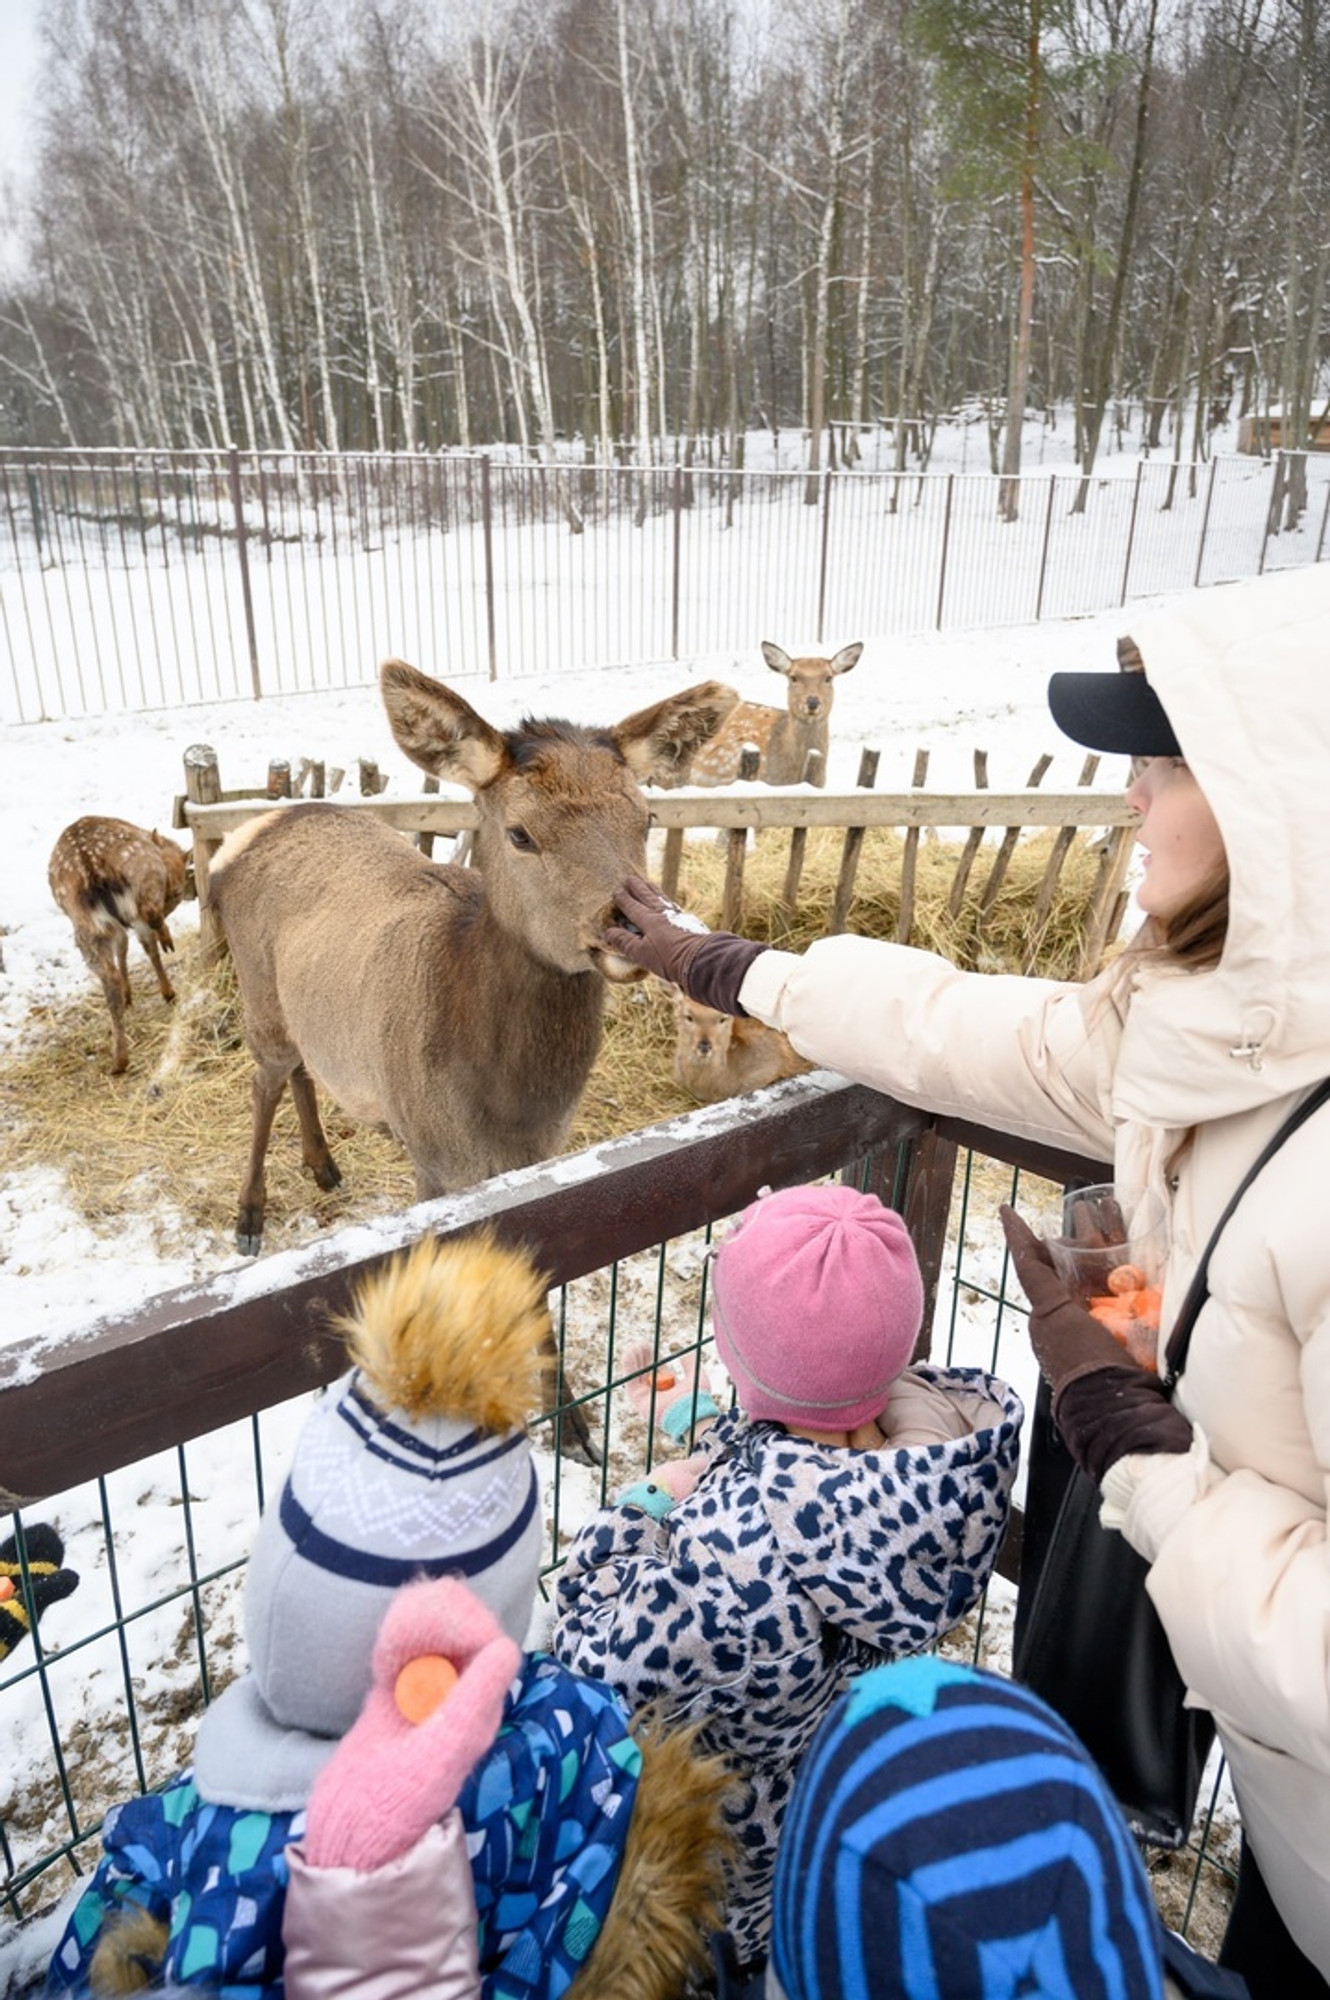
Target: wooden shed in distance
1263,432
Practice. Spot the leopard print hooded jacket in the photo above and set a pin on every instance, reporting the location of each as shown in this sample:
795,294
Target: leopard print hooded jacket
789,1568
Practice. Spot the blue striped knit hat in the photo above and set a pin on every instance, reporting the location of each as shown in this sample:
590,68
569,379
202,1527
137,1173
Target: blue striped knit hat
415,1464
948,1837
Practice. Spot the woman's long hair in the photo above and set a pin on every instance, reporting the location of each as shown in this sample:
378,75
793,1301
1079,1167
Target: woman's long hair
1192,938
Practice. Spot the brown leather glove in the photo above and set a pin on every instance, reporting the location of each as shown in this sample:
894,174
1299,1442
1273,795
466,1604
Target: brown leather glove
709,966
1104,1405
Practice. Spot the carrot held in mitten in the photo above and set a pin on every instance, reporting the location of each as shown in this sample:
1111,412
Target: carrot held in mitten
380,1903
1105,1405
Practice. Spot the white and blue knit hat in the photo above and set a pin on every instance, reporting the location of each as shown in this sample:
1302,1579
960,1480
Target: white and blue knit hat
415,1464
948,1836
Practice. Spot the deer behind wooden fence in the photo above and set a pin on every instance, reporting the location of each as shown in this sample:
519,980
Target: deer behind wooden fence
785,738
111,877
719,1055
460,1008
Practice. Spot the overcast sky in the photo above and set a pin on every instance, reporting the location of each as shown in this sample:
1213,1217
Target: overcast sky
18,62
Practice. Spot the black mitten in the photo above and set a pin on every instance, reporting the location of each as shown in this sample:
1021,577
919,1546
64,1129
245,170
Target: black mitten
47,1580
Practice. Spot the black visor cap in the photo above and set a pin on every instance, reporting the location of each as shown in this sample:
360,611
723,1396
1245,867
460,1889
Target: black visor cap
1119,713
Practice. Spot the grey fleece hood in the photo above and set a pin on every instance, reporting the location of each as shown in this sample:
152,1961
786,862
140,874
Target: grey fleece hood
1243,672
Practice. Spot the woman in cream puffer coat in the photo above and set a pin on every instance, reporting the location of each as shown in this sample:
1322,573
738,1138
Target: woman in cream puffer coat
1180,1068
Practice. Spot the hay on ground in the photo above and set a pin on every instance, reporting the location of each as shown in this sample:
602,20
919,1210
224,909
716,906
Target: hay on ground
170,1138
996,940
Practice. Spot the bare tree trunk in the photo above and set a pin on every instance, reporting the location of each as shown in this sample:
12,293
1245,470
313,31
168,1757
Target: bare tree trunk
492,107
42,379
1009,501
206,85
637,246
1101,372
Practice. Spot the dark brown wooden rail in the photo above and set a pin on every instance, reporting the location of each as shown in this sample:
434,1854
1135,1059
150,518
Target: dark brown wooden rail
132,1384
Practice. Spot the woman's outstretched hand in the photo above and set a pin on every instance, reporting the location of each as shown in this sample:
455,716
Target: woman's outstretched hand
653,932
1105,1406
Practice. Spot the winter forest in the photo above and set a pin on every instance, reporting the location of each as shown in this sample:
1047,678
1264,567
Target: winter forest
643,228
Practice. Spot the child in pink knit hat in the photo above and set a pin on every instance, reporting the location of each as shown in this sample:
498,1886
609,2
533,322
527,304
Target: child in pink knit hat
846,1511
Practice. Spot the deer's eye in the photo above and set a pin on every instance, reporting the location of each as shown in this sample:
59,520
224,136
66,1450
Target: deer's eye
521,840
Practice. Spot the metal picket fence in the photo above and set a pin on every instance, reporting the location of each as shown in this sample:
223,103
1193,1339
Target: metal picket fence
153,579
154,1438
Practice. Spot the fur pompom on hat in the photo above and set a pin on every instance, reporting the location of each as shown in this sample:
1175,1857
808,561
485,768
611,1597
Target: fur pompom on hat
415,1464
948,1834
817,1303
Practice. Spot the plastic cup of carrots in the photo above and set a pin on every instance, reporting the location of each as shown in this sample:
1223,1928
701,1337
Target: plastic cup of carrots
1112,1246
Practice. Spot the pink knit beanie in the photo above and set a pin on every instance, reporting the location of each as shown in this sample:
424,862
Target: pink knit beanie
817,1302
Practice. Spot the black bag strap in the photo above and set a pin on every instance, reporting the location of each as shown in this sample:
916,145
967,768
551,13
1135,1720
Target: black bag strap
1198,1291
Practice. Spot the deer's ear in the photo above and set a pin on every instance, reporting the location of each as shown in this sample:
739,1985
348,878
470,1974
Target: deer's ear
654,742
845,659
776,657
437,729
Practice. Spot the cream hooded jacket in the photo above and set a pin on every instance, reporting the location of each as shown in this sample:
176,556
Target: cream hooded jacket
1181,1078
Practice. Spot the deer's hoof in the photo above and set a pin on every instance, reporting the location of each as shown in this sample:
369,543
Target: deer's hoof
249,1233
327,1175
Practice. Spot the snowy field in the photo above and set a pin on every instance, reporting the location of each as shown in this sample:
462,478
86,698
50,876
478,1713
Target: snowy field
950,694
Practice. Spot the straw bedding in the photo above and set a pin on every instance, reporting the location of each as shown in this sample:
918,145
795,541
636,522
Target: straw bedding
173,1133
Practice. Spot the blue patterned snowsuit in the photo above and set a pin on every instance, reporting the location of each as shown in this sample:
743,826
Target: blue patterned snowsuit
546,1814
791,1567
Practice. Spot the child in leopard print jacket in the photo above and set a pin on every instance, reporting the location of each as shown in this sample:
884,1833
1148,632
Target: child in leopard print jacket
848,1511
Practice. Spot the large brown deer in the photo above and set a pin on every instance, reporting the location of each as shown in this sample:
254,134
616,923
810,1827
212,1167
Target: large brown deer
784,737
111,877
719,1055
458,1007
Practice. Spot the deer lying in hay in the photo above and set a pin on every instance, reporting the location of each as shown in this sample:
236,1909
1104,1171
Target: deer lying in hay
460,1008
785,736
718,1055
111,877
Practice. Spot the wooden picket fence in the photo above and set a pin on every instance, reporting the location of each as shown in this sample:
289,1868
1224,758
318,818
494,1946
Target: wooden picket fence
209,813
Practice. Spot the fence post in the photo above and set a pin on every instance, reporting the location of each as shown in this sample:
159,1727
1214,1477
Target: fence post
487,529
930,1183
946,537
677,498
1043,554
822,559
242,555
1272,506
1205,522
203,787
1325,518
1131,528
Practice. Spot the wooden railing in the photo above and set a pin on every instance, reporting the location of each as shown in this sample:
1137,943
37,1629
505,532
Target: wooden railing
202,1356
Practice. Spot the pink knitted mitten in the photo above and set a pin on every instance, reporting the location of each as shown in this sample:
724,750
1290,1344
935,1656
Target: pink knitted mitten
392,1777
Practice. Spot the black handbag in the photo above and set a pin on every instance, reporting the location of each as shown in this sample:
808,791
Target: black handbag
1088,1639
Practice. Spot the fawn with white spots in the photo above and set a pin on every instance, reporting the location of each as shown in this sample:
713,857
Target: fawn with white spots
111,877
785,737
